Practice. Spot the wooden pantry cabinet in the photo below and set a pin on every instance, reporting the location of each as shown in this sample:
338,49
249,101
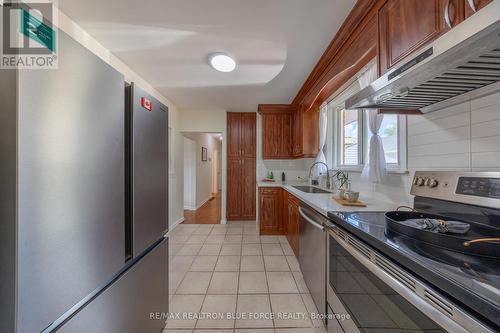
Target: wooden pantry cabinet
241,166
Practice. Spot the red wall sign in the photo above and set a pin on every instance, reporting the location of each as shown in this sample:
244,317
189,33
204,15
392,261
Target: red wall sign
146,103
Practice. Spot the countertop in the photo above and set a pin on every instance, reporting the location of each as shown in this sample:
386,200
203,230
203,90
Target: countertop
324,203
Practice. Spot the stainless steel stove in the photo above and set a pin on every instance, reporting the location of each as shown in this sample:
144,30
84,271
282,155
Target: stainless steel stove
411,284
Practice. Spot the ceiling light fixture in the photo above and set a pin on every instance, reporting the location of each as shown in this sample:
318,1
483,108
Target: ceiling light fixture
221,62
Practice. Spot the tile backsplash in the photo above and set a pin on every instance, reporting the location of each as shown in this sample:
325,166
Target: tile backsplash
462,137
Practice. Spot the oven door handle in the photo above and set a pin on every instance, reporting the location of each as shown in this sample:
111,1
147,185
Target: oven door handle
308,219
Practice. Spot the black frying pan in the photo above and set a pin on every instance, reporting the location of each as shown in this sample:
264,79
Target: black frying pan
454,242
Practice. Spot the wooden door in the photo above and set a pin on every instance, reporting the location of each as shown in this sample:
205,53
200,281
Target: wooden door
297,137
234,130
284,212
286,136
269,135
234,189
472,6
248,134
270,205
407,25
248,193
293,224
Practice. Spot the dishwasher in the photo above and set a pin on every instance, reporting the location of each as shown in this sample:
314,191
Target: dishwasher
312,254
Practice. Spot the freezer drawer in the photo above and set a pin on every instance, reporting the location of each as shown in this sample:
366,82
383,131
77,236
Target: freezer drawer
127,305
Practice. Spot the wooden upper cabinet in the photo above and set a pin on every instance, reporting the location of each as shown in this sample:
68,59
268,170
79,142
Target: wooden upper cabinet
286,133
248,134
241,134
298,139
407,25
269,135
472,6
277,131
234,130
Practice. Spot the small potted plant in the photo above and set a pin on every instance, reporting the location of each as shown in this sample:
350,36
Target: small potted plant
343,181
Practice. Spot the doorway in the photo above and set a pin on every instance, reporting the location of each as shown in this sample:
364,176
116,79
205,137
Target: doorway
202,173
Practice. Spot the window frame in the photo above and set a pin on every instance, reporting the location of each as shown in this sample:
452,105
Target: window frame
335,104
338,142
335,152
334,141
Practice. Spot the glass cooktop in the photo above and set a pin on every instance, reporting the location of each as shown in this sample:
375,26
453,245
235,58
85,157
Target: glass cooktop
473,280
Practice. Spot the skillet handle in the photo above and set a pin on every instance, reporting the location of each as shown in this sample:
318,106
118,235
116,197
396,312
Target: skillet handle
410,208
481,240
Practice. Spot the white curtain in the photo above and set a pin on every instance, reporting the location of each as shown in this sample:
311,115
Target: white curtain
323,124
375,168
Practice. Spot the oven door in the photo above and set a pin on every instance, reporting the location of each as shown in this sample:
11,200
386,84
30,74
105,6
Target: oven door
369,293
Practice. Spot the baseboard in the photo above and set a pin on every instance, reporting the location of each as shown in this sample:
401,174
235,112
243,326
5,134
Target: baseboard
203,202
176,223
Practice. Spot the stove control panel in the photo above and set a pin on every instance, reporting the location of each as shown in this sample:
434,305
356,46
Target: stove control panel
480,187
477,188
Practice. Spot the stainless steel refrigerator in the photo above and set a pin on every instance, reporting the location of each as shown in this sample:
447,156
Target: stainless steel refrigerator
83,200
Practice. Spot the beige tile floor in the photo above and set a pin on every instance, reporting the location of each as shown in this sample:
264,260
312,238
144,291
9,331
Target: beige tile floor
220,269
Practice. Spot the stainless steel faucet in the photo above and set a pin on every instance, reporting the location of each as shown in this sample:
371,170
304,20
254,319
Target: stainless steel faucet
328,184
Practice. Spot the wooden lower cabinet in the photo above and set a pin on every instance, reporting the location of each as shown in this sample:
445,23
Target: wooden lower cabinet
270,212
279,215
292,222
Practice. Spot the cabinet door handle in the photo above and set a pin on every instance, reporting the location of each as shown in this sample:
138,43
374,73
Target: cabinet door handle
447,13
472,5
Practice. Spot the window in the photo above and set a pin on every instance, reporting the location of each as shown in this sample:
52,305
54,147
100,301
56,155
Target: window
348,136
389,133
351,145
350,132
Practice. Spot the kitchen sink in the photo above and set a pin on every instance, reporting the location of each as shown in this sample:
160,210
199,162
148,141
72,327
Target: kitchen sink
310,189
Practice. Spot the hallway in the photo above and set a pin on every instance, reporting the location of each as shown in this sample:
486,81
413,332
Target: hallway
209,213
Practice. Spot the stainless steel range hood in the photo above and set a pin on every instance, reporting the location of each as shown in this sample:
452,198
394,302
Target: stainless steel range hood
462,64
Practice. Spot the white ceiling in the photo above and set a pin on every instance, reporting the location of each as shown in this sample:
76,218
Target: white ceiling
276,44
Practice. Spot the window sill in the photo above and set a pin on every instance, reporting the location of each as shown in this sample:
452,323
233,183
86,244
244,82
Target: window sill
360,169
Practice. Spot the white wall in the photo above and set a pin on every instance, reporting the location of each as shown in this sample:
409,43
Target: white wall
189,174
204,169
209,121
176,176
